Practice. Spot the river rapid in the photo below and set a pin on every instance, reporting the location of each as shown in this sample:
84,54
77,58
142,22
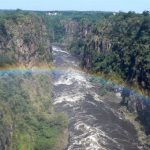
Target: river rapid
95,122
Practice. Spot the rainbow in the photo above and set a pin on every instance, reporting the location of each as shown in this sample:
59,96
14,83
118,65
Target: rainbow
23,69
48,69
139,95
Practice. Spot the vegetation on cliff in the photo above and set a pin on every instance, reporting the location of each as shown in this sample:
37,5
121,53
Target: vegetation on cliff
118,45
64,25
115,44
24,38
28,120
112,43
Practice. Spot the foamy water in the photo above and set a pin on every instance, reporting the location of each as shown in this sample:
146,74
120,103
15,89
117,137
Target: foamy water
57,49
94,124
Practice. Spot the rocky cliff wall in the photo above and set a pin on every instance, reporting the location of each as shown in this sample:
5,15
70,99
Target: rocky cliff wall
24,39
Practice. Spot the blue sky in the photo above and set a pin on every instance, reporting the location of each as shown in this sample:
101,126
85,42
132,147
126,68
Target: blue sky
103,5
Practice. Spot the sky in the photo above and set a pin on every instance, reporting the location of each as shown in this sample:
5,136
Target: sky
80,5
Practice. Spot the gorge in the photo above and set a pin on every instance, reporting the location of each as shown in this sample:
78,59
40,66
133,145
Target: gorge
86,91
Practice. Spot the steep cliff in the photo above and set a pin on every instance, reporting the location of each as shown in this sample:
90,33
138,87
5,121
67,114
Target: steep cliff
24,39
28,120
66,25
117,45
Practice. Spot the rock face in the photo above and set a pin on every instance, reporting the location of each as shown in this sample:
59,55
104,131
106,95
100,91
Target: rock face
24,39
138,105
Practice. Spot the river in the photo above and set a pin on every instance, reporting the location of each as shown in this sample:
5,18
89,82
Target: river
95,122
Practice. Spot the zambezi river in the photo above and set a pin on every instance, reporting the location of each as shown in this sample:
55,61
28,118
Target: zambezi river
95,122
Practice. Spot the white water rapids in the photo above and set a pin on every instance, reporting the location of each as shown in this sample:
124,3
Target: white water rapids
94,121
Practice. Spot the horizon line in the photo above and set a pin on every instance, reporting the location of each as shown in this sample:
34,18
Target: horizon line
73,10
